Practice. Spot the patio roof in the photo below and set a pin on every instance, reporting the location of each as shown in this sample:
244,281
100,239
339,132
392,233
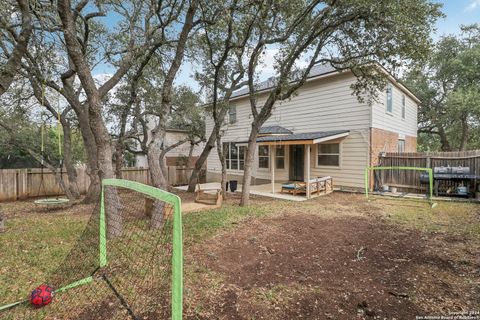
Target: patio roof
274,130
303,138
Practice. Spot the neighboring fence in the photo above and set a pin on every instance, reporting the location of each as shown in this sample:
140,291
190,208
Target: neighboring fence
409,180
18,184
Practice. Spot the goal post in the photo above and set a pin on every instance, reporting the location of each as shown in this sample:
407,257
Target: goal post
372,169
177,237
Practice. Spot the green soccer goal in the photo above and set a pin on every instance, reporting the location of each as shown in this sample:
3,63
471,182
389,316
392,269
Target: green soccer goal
373,169
127,263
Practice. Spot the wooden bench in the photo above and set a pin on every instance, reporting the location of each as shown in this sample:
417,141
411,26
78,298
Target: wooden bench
208,196
317,185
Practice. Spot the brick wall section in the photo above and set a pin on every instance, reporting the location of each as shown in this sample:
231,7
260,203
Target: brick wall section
381,141
387,141
410,144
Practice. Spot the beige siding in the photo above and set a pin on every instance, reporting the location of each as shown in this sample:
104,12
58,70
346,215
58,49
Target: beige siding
280,174
321,105
393,122
353,160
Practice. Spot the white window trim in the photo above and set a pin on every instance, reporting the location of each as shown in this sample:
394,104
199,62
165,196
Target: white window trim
340,156
284,158
403,111
258,158
238,157
389,85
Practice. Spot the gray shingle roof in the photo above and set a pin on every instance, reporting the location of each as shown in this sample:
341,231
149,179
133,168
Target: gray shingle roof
274,130
301,136
317,70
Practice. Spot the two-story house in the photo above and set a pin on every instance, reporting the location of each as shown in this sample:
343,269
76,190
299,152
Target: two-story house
322,131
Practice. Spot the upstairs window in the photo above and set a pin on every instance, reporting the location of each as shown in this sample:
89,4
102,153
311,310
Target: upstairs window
389,98
328,154
403,106
263,157
232,113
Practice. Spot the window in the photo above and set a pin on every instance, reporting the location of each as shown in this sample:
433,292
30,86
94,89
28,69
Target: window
263,157
389,98
232,113
328,154
234,156
280,157
403,106
401,145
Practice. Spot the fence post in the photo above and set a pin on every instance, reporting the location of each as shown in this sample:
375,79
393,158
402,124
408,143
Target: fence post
429,162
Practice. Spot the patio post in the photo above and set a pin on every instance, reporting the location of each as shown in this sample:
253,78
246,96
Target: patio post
272,167
307,154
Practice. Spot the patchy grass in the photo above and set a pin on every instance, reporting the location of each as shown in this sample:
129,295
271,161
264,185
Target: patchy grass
32,247
225,247
199,226
454,218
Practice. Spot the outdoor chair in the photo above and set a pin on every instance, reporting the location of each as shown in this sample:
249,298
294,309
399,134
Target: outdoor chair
317,185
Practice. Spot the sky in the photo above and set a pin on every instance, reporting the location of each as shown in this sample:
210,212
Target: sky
457,12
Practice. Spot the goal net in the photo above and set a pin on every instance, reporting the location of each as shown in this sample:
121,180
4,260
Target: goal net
127,263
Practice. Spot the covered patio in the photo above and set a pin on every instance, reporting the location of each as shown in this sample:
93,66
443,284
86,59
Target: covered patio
300,179
259,190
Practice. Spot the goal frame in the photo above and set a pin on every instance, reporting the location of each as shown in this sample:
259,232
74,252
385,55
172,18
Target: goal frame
372,169
177,246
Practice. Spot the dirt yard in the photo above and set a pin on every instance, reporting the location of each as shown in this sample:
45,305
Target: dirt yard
338,257
333,257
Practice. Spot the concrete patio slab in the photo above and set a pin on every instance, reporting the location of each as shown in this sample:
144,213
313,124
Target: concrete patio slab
264,190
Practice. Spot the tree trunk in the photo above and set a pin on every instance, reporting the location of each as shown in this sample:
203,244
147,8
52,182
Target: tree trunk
158,181
249,162
118,159
444,139
190,153
192,182
9,70
153,157
94,188
221,157
94,104
206,151
105,166
68,159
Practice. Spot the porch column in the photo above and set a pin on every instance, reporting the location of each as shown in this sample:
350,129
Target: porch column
272,167
307,154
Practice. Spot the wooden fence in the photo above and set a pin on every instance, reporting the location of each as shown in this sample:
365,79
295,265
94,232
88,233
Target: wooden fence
18,184
409,180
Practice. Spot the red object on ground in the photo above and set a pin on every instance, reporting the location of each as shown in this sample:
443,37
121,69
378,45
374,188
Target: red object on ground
41,296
